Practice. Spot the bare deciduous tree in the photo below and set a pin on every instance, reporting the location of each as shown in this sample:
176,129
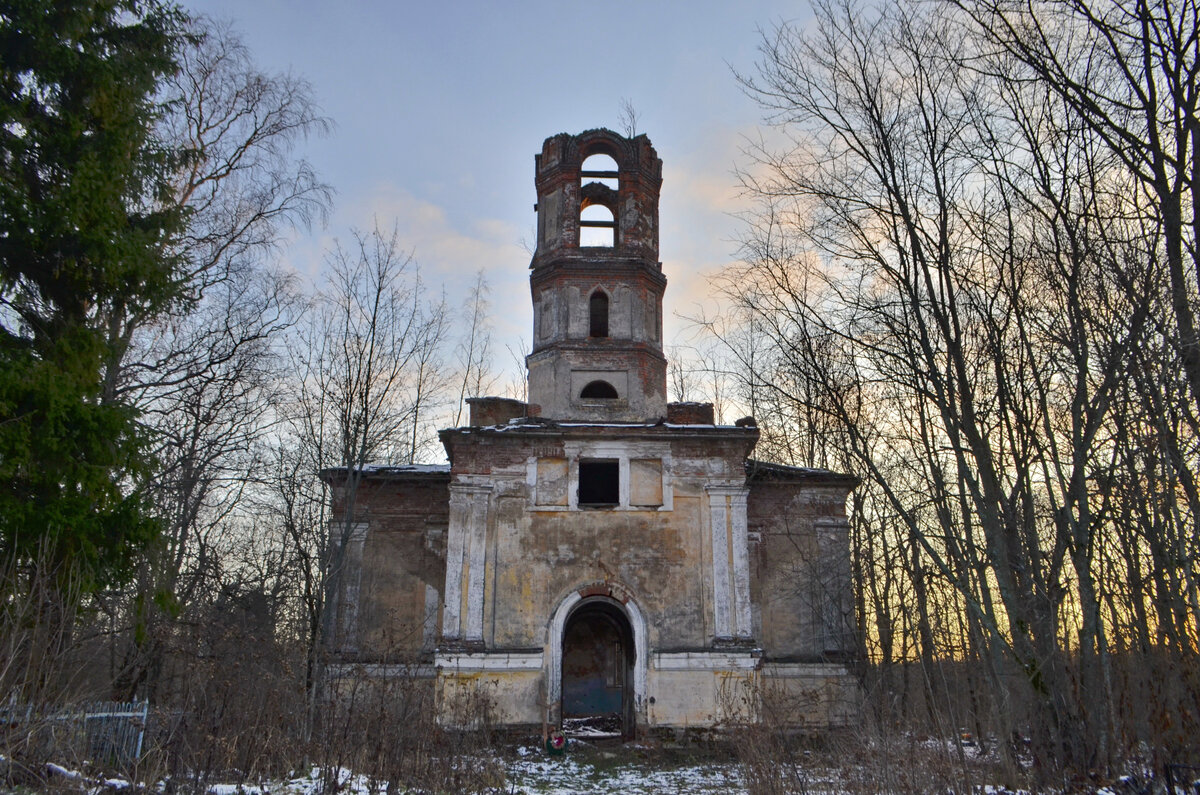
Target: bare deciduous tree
206,376
629,118
958,273
474,350
363,376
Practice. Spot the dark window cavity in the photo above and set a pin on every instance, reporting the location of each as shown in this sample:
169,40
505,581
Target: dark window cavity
599,390
598,312
599,482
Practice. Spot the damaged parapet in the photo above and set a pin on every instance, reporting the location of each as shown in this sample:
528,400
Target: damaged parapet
688,413
487,411
597,309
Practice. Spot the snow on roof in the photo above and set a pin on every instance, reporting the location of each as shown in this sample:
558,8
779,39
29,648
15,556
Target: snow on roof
402,470
389,470
522,423
406,468
769,471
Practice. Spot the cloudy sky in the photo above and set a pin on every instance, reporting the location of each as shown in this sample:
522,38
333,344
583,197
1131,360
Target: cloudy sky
440,107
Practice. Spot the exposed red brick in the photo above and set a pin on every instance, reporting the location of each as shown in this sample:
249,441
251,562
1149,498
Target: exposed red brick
690,413
496,410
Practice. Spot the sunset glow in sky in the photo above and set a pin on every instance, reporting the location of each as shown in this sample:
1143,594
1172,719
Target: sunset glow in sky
440,107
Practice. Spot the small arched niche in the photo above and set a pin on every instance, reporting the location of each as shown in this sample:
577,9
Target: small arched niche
598,390
598,314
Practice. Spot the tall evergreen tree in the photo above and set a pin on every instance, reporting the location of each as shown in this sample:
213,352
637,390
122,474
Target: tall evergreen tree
85,239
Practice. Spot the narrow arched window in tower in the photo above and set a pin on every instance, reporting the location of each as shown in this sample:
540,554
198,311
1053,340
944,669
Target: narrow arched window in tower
598,313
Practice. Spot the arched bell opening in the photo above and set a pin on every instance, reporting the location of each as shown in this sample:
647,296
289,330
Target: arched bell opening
597,222
598,656
602,168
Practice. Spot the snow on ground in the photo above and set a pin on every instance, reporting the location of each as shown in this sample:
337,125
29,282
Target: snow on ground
593,771
583,770
580,772
586,773
587,768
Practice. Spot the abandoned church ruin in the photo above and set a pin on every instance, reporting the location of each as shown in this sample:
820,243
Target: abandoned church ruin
599,553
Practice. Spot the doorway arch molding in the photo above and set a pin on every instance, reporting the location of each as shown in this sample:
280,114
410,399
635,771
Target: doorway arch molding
615,594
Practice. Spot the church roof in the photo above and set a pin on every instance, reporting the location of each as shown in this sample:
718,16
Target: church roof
392,472
759,471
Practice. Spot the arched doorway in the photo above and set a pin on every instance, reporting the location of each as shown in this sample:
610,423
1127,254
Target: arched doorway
598,656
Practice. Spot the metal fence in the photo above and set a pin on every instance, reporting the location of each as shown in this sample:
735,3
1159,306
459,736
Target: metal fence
115,731
110,733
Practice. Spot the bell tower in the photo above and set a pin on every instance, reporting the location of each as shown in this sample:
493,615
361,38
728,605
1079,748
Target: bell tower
596,281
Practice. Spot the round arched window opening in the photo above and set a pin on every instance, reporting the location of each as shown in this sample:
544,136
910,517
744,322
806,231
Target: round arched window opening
597,226
600,167
599,390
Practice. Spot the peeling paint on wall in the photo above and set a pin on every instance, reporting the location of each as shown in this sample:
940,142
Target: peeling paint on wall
598,555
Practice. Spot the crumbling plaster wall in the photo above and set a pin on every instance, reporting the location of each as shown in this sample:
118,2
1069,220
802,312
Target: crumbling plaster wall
800,580
400,572
542,550
801,588
562,311
538,548
537,554
565,358
558,376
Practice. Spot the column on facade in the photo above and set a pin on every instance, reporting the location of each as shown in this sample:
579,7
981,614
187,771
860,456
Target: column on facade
466,545
731,563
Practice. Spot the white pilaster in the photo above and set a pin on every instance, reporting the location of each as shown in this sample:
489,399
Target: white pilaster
429,624
741,565
465,546
732,617
477,554
722,593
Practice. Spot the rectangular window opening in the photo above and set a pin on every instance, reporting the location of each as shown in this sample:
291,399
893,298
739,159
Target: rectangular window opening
597,237
599,483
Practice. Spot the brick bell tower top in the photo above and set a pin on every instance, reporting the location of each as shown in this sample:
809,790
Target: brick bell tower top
596,281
